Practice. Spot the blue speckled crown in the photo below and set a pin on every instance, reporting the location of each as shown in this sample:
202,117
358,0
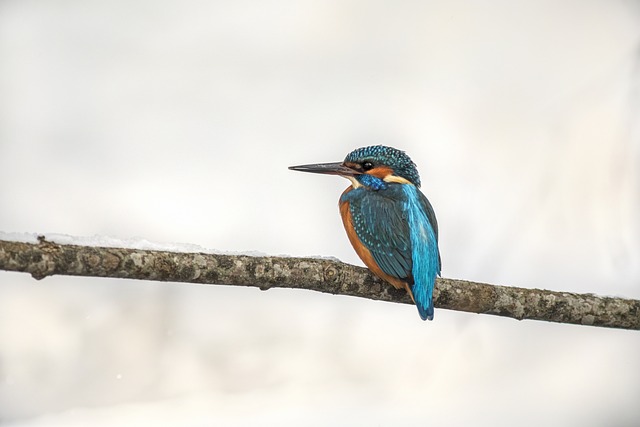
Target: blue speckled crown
397,160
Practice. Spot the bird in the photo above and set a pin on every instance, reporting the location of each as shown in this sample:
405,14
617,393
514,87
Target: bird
389,221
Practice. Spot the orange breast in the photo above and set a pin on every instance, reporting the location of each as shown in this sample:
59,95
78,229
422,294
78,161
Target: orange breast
362,251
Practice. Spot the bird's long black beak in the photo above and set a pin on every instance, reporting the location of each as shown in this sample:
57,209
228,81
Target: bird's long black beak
337,168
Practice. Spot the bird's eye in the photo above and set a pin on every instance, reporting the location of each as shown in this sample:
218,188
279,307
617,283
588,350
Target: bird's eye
367,166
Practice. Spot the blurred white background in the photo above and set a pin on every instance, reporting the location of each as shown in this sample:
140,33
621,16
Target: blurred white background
176,121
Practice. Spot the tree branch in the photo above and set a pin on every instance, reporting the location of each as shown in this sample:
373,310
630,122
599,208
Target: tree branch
47,258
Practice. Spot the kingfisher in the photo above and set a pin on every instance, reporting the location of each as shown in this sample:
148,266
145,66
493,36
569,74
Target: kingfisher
389,222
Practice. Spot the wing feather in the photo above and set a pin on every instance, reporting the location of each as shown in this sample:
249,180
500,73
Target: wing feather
379,222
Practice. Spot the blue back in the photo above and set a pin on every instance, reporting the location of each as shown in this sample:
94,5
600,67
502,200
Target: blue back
424,254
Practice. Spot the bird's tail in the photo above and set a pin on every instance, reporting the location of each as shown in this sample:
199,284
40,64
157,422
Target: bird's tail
424,303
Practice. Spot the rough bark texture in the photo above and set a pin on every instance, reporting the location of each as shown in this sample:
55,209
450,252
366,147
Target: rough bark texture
46,259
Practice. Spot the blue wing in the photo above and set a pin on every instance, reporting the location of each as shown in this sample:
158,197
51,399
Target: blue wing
379,222
398,226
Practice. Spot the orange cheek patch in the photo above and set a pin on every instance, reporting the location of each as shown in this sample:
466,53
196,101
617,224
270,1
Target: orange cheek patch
381,172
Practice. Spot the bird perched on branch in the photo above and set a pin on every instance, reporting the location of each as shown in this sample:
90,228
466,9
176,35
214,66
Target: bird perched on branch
390,223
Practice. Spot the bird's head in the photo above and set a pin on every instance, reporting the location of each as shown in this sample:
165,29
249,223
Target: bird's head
364,164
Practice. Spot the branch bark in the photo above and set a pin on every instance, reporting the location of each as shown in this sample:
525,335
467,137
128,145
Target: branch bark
48,258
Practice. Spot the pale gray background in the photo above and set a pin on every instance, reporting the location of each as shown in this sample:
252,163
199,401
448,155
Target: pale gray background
175,121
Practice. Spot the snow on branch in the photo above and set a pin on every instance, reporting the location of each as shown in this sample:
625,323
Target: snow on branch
44,258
